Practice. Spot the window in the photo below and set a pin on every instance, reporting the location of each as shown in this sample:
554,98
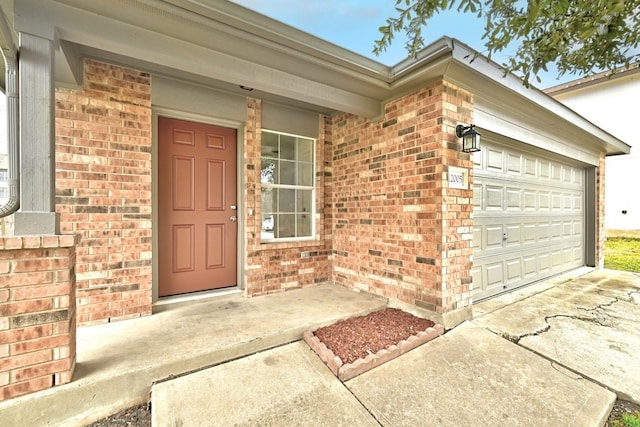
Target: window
4,193
288,186
4,175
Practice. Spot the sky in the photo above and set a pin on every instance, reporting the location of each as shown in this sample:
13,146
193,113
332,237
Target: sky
353,24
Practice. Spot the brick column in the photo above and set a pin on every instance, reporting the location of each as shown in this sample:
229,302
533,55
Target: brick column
600,217
37,313
398,229
103,189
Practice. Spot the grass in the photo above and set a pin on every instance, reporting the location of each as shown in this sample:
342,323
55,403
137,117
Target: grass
626,420
622,253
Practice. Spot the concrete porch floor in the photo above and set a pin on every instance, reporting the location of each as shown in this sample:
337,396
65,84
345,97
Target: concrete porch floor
118,362
550,354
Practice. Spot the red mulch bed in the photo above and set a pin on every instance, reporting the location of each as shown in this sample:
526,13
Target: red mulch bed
357,337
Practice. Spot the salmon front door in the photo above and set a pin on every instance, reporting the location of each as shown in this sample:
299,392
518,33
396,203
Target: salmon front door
197,216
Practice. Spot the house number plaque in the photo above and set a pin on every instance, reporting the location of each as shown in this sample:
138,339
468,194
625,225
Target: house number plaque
458,178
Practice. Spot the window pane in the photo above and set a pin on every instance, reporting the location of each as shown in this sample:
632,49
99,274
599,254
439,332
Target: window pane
305,174
304,225
286,200
267,227
269,200
286,226
287,173
270,145
268,171
303,202
288,147
305,150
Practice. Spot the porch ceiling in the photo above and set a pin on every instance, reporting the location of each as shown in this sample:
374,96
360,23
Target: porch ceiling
225,46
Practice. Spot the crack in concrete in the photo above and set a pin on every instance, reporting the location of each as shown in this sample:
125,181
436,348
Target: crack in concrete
595,320
601,317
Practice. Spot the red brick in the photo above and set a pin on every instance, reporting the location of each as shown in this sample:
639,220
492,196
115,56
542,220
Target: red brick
27,359
24,307
45,369
39,344
22,334
35,291
19,389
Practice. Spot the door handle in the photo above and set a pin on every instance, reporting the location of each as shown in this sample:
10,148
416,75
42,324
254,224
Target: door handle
233,218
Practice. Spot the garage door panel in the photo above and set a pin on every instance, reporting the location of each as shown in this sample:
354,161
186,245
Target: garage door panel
529,198
543,169
477,236
514,269
528,216
529,233
512,235
578,227
494,197
544,200
578,203
530,167
494,236
530,266
514,163
495,274
544,233
556,230
494,160
544,263
514,198
478,195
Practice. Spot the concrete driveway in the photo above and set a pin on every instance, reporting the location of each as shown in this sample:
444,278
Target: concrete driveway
589,325
546,356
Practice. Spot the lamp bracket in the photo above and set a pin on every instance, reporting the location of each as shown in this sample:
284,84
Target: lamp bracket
460,130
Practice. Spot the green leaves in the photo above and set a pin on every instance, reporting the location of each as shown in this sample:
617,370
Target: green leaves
579,36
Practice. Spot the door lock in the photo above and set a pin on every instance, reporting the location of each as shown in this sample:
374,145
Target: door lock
234,207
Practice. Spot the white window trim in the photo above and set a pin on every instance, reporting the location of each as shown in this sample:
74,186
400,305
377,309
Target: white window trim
313,189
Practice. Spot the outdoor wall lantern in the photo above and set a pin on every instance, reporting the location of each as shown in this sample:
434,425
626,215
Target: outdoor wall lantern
470,138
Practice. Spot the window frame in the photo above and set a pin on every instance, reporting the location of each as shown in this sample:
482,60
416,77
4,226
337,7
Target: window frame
312,189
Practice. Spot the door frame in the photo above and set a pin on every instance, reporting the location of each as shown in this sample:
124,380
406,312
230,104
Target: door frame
240,184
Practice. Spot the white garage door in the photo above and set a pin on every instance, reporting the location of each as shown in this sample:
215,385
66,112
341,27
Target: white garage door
528,218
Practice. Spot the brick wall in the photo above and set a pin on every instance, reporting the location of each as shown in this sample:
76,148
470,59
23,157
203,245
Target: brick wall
398,231
37,313
274,267
600,210
103,189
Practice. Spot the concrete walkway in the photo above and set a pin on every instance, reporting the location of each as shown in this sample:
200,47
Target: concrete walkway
118,362
467,377
495,370
545,355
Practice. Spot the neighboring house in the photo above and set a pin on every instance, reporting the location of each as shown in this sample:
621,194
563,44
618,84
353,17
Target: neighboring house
202,146
610,101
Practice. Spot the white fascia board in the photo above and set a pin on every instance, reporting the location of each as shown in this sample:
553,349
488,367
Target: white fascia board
536,137
97,32
535,98
265,28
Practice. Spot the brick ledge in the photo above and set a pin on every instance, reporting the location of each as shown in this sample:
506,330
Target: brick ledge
46,241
